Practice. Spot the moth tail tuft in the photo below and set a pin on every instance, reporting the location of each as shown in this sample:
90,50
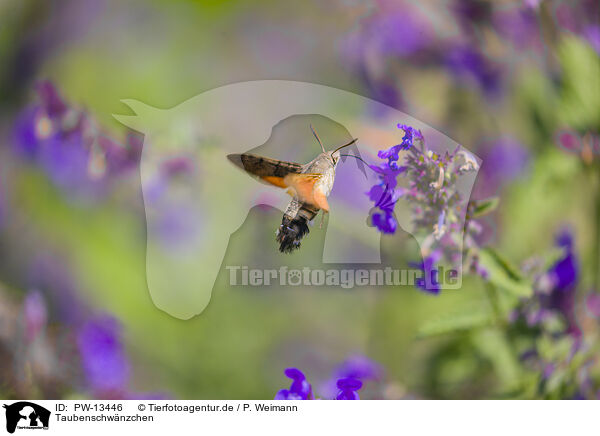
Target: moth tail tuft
290,232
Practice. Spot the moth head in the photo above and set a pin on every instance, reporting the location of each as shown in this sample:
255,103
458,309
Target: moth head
335,154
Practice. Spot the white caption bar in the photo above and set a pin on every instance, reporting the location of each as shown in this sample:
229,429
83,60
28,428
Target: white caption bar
299,417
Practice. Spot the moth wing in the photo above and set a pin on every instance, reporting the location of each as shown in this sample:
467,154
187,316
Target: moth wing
269,171
303,186
321,199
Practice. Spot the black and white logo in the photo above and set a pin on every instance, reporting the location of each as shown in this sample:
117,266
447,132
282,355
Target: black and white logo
26,415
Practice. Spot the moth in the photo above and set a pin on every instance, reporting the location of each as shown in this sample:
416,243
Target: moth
309,185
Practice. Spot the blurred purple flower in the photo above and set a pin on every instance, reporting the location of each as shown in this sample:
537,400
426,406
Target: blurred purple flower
569,140
504,160
581,18
564,273
359,367
176,225
300,389
592,36
35,314
66,143
429,282
468,64
347,389
49,273
399,31
518,25
532,4
592,304
3,210
555,289
471,13
103,358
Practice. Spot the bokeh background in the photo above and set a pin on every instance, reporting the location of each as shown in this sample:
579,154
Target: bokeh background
516,82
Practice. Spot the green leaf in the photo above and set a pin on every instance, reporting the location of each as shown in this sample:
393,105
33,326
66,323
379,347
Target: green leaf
503,274
484,207
457,322
580,100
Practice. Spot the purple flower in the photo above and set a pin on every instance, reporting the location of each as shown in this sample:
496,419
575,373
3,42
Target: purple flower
35,314
504,160
434,192
103,358
564,273
359,367
51,102
385,222
467,63
67,145
347,389
410,134
469,12
429,282
592,36
520,26
382,215
555,289
300,389
2,203
397,32
592,304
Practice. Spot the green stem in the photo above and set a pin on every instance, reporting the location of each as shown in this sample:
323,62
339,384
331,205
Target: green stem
492,295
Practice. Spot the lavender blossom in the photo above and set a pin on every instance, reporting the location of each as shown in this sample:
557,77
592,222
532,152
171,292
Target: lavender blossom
518,25
554,289
359,367
300,389
429,282
66,143
438,207
592,305
35,315
504,160
103,357
592,36
347,389
467,63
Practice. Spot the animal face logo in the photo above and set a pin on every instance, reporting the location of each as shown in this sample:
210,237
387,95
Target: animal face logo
195,199
26,415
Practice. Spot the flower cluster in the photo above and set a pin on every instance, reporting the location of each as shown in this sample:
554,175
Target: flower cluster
554,290
68,145
82,352
432,190
348,380
560,350
399,35
386,192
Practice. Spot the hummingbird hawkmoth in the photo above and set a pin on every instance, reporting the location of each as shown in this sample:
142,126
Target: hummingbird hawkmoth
309,185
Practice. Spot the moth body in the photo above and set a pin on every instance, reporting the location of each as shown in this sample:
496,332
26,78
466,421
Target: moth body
309,185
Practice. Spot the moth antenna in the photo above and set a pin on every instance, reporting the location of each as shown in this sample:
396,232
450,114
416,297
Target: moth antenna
345,145
317,136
